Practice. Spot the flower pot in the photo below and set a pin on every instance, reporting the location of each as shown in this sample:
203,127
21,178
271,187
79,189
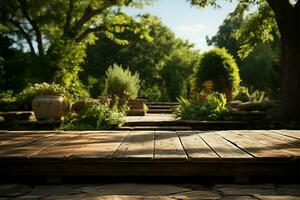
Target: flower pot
48,107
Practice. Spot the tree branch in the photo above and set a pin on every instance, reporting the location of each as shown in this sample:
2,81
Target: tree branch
26,35
96,29
90,13
33,23
87,32
69,18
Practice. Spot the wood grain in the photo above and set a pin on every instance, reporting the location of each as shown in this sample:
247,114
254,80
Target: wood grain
102,145
255,148
138,145
195,147
168,146
222,147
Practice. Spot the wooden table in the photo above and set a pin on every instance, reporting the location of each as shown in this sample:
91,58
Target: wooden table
239,153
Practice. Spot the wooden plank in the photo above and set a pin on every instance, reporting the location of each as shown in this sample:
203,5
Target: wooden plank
33,148
272,142
101,145
168,146
21,139
222,147
64,148
195,147
138,145
253,147
290,133
287,139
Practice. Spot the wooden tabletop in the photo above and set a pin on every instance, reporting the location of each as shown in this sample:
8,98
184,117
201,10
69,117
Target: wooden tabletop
151,145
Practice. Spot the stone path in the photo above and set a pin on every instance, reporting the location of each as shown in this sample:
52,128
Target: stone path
135,191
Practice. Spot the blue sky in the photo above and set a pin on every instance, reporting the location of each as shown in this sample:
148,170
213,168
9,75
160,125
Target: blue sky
189,22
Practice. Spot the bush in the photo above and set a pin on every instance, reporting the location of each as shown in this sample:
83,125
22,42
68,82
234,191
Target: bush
7,101
28,94
203,107
245,95
95,116
219,67
122,83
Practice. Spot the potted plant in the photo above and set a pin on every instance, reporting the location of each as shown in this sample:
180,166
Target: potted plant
49,101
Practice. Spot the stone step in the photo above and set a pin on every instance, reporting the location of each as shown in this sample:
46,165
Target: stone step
160,128
164,111
203,125
162,107
163,103
249,115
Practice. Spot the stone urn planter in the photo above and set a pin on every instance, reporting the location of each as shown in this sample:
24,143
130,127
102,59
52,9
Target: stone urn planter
48,107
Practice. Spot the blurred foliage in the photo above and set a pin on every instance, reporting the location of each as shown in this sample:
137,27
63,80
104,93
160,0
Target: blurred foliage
259,66
49,38
95,116
245,94
203,105
178,70
209,107
218,66
147,57
121,83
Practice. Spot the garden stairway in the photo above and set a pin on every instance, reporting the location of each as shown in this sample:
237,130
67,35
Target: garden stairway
161,107
160,121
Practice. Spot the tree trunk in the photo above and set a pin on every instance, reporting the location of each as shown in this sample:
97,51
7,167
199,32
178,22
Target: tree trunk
288,21
290,104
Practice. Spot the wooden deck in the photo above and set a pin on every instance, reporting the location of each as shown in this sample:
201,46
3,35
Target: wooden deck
150,153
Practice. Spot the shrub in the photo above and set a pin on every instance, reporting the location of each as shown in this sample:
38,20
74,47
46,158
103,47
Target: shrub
7,101
219,67
28,94
122,83
203,107
95,116
244,94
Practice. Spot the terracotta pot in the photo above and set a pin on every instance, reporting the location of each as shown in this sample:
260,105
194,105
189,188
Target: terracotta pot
48,107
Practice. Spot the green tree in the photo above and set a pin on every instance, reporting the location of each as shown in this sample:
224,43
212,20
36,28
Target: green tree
257,64
287,17
147,57
178,71
218,66
61,29
225,37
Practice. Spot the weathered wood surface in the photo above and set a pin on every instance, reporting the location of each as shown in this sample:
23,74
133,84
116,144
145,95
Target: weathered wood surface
151,145
179,153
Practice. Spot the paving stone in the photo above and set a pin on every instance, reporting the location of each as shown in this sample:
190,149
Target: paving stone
261,186
47,190
197,195
293,190
13,190
239,198
127,197
68,197
277,197
133,189
29,197
246,190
